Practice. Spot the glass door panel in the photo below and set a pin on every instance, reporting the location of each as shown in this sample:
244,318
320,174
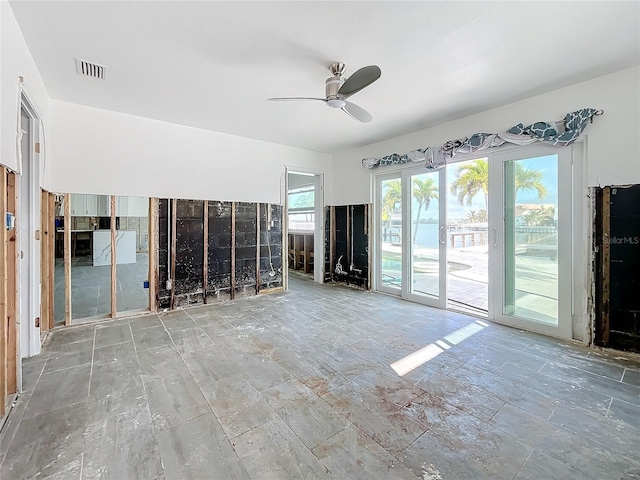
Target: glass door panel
532,248
390,227
426,234
531,238
467,240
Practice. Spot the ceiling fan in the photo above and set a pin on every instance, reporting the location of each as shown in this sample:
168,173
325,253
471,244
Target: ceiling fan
338,89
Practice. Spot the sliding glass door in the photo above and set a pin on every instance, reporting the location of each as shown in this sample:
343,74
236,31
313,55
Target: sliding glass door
532,274
487,236
411,249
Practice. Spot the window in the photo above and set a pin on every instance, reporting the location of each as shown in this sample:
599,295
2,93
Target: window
301,208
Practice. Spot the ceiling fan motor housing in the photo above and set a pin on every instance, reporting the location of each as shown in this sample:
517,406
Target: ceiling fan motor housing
332,85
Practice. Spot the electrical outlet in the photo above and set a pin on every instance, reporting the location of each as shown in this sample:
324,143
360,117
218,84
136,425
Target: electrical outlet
169,284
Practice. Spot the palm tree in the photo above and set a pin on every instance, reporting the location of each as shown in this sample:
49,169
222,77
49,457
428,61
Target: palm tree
529,179
392,196
471,178
423,192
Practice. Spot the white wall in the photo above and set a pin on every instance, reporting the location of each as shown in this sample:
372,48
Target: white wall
16,61
612,151
104,152
613,139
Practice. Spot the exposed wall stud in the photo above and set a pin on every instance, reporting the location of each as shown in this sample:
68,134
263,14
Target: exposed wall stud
153,254
205,259
67,259
174,242
332,241
233,250
52,258
258,220
114,283
3,293
13,263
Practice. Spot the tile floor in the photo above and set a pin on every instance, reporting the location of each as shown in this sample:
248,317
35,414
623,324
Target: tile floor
91,287
298,384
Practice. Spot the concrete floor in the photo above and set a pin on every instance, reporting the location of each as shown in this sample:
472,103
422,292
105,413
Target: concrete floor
298,384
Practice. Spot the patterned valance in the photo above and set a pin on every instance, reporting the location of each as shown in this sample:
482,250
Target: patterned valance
562,133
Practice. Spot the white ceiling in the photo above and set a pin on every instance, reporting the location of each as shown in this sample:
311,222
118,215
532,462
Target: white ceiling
213,64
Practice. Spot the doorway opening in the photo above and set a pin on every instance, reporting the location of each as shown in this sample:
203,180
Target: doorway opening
28,226
304,223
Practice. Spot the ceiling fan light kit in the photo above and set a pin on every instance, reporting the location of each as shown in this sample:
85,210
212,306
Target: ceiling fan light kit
337,90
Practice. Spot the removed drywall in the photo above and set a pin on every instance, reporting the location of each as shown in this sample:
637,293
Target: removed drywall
213,251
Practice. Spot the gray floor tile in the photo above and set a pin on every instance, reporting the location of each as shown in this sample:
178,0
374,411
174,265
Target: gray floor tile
47,444
145,322
238,406
199,449
540,466
625,412
632,377
310,417
500,454
111,334
151,338
121,446
432,457
174,399
351,454
59,389
261,451
176,320
575,419
468,398
209,365
380,420
189,340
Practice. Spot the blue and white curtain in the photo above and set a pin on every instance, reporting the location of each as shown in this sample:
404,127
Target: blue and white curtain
562,133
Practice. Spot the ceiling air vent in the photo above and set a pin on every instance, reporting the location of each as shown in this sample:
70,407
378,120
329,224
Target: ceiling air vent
92,70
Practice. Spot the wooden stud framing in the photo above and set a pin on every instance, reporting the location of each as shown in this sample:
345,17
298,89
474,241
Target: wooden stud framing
12,289
3,293
52,258
606,258
205,259
258,219
44,264
114,283
153,254
47,260
174,241
67,259
233,250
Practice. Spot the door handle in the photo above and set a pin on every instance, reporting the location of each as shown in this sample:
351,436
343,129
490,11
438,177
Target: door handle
495,236
442,235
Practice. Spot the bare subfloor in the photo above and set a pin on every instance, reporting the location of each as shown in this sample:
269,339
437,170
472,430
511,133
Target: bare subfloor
298,385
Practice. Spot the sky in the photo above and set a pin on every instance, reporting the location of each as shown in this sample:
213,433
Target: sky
548,165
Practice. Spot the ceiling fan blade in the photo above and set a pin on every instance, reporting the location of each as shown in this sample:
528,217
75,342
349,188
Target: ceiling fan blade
295,99
359,80
357,112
